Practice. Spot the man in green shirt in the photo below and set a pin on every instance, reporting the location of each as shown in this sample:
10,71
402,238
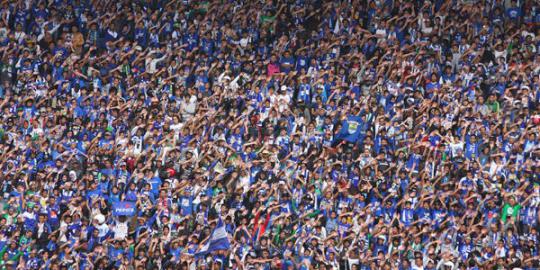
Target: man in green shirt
510,210
493,104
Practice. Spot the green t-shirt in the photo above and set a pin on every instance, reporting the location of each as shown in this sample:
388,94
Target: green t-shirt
494,106
203,7
509,210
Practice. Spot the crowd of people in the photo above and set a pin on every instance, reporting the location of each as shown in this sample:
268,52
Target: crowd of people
270,134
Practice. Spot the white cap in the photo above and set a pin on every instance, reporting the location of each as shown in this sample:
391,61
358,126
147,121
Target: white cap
100,218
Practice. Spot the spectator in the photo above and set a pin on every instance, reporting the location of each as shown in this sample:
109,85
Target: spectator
276,134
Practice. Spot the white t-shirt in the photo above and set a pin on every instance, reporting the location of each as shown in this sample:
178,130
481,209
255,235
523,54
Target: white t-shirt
103,229
120,230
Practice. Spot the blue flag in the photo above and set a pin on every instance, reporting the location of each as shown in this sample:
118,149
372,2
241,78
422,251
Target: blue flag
351,129
218,240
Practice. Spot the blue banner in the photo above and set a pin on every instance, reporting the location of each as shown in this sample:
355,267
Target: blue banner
123,208
351,129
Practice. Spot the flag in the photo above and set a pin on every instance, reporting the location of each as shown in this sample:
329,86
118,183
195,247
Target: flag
351,129
260,229
218,240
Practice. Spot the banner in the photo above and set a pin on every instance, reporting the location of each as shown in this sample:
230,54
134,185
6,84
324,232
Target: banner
123,208
351,129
